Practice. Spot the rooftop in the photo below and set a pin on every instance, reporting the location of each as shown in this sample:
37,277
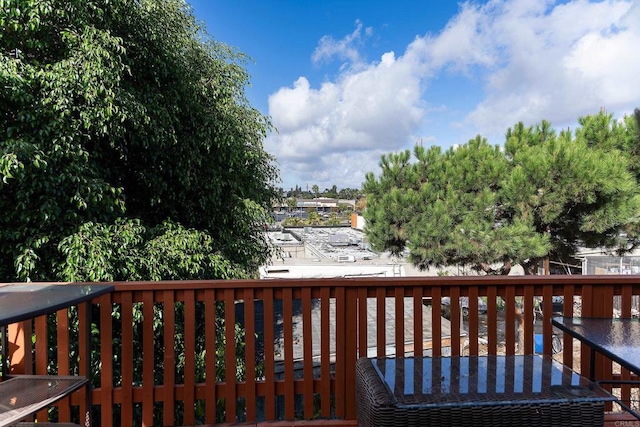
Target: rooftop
325,252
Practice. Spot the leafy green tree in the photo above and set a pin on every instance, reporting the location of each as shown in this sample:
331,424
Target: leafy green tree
293,222
315,189
122,109
128,151
349,193
331,192
313,218
292,204
492,208
345,209
333,219
165,252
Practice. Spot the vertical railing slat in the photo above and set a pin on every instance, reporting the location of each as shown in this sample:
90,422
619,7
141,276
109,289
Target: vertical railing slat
586,311
454,305
28,344
169,379
351,348
84,347
42,343
148,360
626,295
547,313
325,356
42,334
340,352
250,354
307,342
106,361
381,322
269,363
189,385
363,322
63,351
436,321
230,355
525,342
418,322
492,320
603,294
587,301
210,356
399,321
510,320
126,358
473,321
287,317
567,341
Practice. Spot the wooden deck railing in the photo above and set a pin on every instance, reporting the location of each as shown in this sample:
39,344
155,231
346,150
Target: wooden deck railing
207,352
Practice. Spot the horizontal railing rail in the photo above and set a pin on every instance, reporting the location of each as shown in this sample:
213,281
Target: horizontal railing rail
207,352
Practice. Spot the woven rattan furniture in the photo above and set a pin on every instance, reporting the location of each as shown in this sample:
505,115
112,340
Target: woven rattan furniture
475,391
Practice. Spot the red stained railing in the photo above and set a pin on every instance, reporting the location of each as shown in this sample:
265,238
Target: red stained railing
170,353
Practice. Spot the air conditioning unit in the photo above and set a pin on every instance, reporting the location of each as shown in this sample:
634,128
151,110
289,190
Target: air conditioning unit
346,258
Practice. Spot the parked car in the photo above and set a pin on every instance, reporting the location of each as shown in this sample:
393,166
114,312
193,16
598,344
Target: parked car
464,305
557,306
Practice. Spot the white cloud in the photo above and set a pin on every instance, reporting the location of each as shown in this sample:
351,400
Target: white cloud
300,106
570,61
460,45
321,132
535,60
345,49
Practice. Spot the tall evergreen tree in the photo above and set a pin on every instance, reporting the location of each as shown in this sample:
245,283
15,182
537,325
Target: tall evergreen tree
491,208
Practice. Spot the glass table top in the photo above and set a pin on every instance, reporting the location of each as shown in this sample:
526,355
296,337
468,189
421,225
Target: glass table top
618,339
24,301
483,380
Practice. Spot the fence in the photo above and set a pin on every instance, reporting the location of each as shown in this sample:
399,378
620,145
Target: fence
205,352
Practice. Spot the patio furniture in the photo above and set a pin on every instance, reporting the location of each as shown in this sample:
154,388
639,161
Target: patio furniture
475,390
24,395
616,338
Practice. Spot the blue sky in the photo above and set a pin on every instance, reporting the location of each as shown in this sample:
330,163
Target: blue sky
347,81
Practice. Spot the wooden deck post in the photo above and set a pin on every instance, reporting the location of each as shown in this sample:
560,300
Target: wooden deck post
597,301
17,345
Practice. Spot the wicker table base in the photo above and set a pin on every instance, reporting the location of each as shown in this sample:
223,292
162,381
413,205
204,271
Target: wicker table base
475,391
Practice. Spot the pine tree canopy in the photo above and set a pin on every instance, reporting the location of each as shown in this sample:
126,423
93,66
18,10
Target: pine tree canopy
542,194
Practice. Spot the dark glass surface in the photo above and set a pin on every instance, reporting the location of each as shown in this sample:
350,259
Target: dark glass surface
618,339
483,380
24,301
